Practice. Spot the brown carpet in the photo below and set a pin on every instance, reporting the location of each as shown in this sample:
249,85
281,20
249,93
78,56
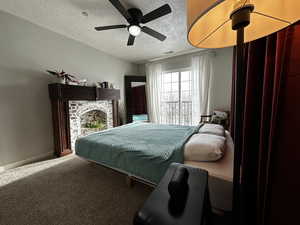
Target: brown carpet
68,191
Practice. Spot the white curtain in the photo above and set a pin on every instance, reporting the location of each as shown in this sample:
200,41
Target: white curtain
154,87
202,74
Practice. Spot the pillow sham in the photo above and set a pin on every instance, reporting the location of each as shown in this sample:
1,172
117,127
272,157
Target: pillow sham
209,128
204,148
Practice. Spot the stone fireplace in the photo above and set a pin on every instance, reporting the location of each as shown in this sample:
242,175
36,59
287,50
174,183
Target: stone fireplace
80,110
87,117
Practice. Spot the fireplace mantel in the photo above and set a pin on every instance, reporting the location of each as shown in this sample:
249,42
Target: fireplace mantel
60,95
72,92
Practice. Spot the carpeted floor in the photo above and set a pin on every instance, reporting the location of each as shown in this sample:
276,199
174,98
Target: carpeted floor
69,191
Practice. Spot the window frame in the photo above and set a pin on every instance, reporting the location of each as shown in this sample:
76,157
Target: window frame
179,71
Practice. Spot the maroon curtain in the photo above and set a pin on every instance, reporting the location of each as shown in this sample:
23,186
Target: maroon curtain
267,67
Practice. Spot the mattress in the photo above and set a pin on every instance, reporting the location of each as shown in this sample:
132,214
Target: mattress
142,149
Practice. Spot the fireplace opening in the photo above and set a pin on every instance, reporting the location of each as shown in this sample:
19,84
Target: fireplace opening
93,121
87,117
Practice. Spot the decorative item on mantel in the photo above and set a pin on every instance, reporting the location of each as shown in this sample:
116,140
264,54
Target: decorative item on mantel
66,78
104,84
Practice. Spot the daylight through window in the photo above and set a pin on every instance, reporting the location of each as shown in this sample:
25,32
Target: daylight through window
176,101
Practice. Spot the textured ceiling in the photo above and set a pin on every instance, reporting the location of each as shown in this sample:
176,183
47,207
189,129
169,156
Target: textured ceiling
65,17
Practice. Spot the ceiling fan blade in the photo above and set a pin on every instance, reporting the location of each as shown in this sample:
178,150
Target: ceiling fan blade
110,27
161,11
154,33
130,40
117,4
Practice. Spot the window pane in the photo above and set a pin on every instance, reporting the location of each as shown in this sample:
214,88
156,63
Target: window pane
167,77
176,106
167,87
186,103
165,97
174,96
186,113
185,86
175,87
186,96
185,76
170,114
175,77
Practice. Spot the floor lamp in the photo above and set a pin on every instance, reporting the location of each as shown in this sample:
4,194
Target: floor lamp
224,23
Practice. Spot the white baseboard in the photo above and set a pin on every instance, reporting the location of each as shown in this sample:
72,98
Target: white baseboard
44,156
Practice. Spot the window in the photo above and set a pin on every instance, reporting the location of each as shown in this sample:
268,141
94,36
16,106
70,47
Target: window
176,101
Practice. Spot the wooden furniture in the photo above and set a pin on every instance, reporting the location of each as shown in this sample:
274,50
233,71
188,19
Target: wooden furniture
130,98
205,118
210,119
194,209
60,95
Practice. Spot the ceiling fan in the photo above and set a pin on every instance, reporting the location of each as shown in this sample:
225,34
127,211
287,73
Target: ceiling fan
135,18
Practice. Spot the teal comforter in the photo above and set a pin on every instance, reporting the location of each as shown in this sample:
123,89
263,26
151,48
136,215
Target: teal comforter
141,149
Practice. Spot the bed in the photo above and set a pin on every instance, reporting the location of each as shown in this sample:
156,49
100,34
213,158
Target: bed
145,151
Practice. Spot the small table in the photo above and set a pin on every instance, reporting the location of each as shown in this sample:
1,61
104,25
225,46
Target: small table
196,210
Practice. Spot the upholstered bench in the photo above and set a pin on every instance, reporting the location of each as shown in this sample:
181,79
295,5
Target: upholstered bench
194,210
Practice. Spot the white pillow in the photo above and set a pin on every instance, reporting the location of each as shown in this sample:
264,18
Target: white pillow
204,148
209,128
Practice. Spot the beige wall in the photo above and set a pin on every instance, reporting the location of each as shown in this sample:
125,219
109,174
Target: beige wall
222,80
26,51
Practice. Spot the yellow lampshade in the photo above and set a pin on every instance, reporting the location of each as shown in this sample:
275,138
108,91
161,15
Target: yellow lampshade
209,23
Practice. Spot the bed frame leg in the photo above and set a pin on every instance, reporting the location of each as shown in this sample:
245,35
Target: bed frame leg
129,181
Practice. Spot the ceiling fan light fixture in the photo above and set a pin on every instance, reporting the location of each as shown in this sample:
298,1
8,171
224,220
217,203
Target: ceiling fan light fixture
134,30
135,17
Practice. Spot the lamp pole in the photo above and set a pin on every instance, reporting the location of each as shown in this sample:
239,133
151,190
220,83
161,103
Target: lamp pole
240,19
